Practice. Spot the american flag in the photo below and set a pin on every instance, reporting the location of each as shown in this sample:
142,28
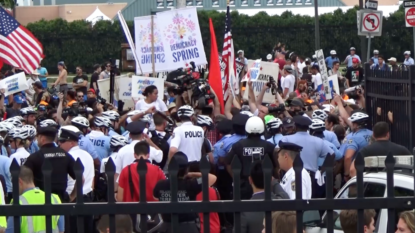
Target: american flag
18,46
228,57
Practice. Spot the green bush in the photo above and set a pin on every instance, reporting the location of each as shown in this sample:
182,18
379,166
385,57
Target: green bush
78,43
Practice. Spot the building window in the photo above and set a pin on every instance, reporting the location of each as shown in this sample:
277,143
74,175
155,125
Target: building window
257,2
279,2
199,2
270,2
308,2
232,3
170,3
244,2
189,2
215,3
298,2
289,2
160,3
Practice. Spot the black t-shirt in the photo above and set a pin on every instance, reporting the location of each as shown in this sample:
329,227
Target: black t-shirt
80,80
383,147
94,79
187,190
354,75
38,97
11,112
62,165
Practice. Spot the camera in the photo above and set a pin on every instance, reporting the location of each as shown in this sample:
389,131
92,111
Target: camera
278,109
271,84
202,93
103,102
54,98
354,92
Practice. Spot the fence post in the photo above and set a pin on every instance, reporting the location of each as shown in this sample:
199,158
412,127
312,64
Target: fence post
410,85
298,168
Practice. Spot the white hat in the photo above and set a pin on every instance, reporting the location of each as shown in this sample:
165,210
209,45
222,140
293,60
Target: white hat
240,51
407,53
269,56
352,48
392,59
35,72
333,52
375,51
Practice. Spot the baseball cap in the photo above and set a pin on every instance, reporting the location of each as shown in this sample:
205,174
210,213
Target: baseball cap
355,60
407,53
240,51
268,118
269,56
333,52
375,51
352,49
392,59
18,99
297,102
91,90
38,84
288,122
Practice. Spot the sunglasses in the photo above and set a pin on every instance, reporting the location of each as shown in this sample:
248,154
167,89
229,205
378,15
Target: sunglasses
80,96
108,65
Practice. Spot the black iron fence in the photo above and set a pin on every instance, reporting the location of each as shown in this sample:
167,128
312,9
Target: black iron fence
392,91
143,208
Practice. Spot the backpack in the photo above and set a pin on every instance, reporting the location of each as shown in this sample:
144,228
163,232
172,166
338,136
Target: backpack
164,146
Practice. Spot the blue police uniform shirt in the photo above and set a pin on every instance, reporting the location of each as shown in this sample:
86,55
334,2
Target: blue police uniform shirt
331,137
111,133
126,134
275,139
86,145
350,61
337,154
5,163
225,146
101,143
313,149
375,60
330,60
356,141
34,147
4,151
407,62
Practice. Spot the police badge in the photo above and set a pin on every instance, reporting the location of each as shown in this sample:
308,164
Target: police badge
293,186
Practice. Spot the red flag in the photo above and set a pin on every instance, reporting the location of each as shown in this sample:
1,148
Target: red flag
1,64
215,79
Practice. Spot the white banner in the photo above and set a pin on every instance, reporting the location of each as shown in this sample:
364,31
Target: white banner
265,70
181,38
13,84
124,90
323,71
143,38
139,83
104,87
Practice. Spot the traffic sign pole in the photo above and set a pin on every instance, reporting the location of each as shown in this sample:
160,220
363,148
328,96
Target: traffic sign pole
368,47
409,6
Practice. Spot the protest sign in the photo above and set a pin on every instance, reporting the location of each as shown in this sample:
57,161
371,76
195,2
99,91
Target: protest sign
334,84
323,72
104,87
266,70
181,38
139,83
143,40
239,68
13,84
124,90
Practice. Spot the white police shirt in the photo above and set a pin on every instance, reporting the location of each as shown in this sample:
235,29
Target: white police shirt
89,170
288,184
126,157
188,138
105,161
20,155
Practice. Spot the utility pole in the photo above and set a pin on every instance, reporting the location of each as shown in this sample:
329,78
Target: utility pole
316,26
363,44
180,4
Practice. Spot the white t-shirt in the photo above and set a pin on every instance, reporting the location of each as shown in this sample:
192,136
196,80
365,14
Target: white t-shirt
301,67
158,104
20,155
288,82
31,91
89,170
316,79
188,138
105,160
126,157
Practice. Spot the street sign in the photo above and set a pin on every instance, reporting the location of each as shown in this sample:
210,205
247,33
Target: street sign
371,4
409,13
370,23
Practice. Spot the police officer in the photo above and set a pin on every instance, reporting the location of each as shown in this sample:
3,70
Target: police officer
32,195
249,150
32,147
113,116
328,135
62,163
286,156
274,129
84,143
68,137
288,126
314,147
99,136
187,138
356,140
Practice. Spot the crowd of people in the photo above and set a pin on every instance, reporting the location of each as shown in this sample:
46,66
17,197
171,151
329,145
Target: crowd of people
65,125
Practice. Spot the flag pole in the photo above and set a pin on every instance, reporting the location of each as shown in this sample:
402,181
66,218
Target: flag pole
152,47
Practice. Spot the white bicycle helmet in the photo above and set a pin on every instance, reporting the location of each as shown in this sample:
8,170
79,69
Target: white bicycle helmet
14,121
317,124
146,118
48,123
248,113
80,122
20,133
118,140
6,126
358,117
27,111
112,115
254,125
328,107
68,132
319,114
135,112
31,129
274,123
102,122
204,121
186,111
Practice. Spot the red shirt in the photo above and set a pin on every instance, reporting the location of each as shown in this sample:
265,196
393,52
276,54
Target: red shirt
154,175
281,64
214,217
